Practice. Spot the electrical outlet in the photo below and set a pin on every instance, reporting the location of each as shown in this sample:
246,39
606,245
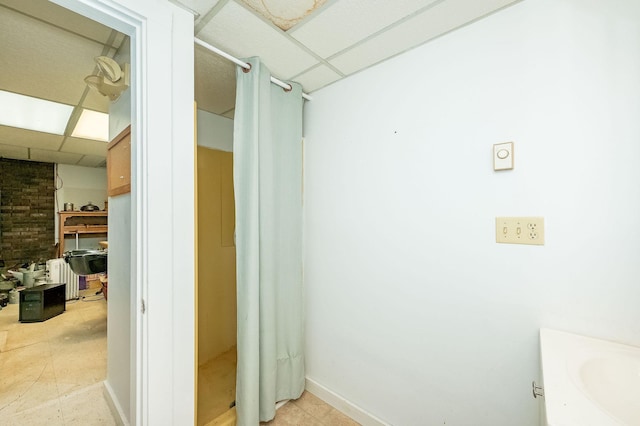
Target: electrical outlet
520,230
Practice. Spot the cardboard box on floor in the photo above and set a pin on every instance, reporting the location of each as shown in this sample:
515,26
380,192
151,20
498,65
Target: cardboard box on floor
91,282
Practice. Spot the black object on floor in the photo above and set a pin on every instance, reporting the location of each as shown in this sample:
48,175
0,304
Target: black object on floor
42,302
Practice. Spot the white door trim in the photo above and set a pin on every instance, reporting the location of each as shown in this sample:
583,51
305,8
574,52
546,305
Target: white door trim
163,217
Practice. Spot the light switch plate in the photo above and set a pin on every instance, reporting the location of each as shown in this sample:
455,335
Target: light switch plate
503,156
520,230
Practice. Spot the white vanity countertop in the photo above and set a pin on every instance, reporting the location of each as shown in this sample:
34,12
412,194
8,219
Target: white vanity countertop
589,381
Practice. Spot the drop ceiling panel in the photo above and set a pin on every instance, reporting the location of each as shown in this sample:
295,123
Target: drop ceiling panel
285,13
29,138
84,146
215,82
14,152
63,18
354,20
43,61
92,161
239,32
202,7
54,156
431,23
96,102
317,77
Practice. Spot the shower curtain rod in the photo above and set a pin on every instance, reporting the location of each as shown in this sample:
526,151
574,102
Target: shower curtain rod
243,64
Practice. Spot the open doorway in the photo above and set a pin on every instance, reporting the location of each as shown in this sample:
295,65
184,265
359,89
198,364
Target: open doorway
60,194
160,246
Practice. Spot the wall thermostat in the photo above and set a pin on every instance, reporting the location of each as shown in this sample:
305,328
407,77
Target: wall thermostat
503,156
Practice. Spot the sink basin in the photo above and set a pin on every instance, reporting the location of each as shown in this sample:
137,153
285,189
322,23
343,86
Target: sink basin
589,381
612,381
87,262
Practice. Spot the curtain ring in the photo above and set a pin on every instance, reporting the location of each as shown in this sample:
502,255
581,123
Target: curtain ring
289,89
246,70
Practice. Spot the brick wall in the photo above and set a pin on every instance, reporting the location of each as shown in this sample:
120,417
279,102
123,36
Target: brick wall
27,221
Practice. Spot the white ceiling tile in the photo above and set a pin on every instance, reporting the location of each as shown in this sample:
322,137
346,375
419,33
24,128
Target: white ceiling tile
14,152
285,13
95,101
201,7
63,18
118,40
344,23
84,146
433,22
242,34
21,137
317,77
215,82
43,61
92,161
54,156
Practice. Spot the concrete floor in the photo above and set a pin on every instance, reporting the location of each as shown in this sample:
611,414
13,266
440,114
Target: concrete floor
51,372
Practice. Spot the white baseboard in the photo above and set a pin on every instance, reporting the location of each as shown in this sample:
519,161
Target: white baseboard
115,407
338,402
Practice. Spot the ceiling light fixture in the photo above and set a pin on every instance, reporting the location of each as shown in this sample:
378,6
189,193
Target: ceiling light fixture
92,125
111,79
30,113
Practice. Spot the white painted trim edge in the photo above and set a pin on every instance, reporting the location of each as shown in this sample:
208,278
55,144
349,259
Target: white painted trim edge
342,404
114,405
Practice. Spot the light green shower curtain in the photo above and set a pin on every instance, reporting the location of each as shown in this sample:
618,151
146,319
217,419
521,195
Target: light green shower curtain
267,152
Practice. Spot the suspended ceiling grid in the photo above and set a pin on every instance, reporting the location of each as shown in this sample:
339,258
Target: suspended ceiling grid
317,42
46,53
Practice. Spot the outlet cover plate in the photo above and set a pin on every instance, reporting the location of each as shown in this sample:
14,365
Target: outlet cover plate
520,230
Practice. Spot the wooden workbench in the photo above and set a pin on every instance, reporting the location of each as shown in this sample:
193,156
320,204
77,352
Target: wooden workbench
79,222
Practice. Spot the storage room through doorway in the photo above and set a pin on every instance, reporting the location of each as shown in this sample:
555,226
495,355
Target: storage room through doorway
58,200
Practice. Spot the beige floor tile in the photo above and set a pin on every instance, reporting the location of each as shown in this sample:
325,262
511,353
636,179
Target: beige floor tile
37,393
216,386
292,415
336,418
313,405
21,368
86,407
9,399
3,339
79,368
26,335
51,372
49,414
228,418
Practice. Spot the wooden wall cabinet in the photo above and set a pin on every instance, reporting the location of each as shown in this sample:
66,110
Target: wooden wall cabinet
119,164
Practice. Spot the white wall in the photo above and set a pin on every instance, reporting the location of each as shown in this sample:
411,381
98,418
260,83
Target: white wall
215,131
414,313
120,354
162,249
80,185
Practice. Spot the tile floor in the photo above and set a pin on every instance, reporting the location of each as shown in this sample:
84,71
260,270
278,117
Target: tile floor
309,410
51,372
216,390
216,386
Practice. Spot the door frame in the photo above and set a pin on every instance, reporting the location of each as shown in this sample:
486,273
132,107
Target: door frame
162,204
